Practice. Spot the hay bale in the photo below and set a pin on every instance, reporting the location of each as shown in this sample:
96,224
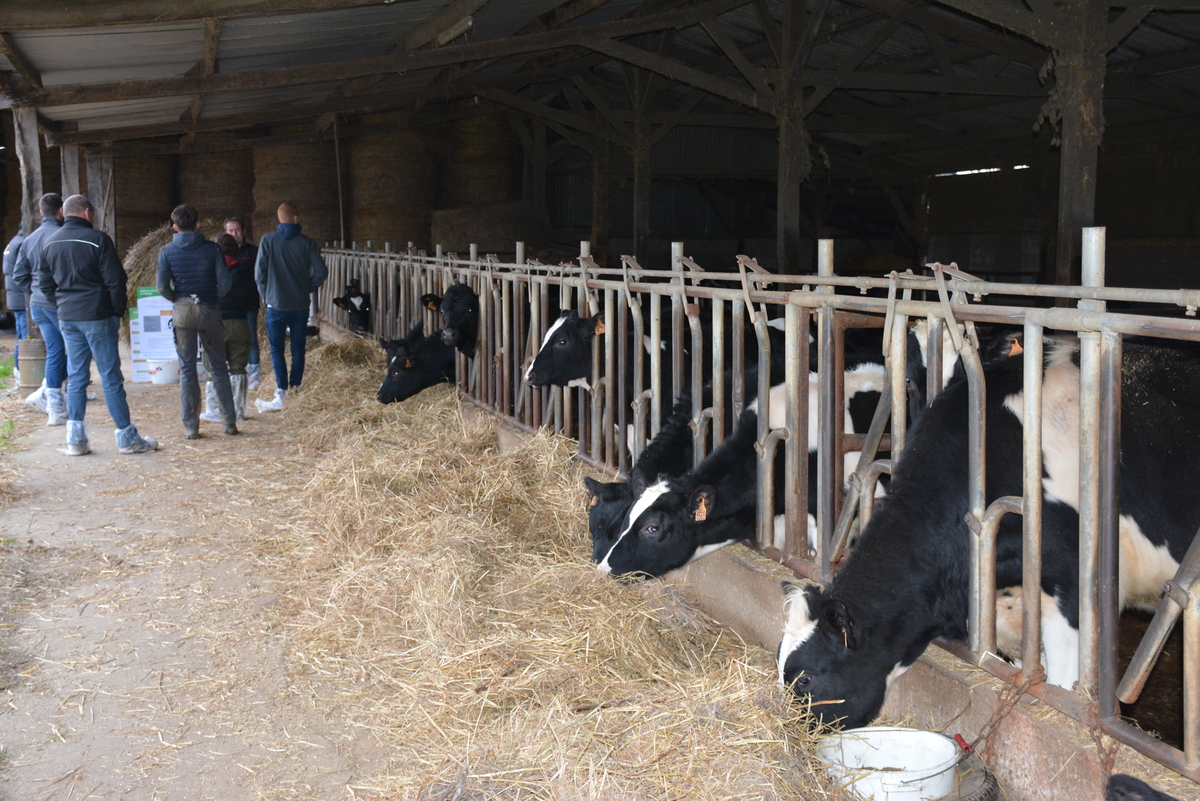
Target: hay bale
141,260
493,228
393,180
481,163
218,185
444,589
305,175
145,195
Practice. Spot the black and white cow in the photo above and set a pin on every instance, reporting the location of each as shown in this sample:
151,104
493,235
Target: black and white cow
906,581
565,356
414,363
459,311
357,306
668,455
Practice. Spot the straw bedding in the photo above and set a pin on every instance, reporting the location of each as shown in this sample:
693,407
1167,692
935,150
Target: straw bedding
446,588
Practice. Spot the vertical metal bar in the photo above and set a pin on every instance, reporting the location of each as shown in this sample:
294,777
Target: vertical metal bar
1191,687
898,361
638,374
1108,603
796,454
767,439
504,362
983,572
738,322
610,455
1031,533
718,372
696,390
655,363
1089,466
624,393
827,413
934,356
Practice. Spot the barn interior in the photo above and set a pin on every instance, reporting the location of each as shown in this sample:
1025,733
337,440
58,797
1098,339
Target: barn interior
982,132
977,131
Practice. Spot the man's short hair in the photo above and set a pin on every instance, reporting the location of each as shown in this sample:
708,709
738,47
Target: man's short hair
185,218
50,203
287,209
76,205
237,220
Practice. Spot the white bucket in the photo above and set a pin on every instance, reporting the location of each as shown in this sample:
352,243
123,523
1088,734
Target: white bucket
890,763
163,371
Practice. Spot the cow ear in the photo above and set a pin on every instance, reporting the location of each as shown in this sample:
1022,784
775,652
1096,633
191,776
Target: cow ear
701,504
416,333
383,343
339,302
638,482
597,325
433,302
594,489
837,617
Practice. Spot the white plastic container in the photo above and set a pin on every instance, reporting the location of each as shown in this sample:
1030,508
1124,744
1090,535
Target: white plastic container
165,371
889,763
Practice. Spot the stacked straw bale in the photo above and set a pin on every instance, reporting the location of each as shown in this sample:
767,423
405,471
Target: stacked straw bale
480,163
445,588
305,175
393,187
218,185
145,193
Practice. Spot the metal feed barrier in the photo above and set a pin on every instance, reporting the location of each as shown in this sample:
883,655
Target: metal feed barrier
688,319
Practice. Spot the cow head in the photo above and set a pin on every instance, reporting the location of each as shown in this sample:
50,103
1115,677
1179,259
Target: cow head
414,363
660,532
608,506
565,358
356,305
459,312
822,663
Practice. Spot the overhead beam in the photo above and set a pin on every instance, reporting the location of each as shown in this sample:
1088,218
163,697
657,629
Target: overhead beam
939,84
20,62
433,27
357,68
564,118
960,29
1012,17
18,15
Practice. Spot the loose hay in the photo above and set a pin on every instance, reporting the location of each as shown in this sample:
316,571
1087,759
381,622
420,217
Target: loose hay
447,590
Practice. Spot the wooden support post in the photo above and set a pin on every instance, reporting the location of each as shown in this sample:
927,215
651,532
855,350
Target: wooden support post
1079,65
69,156
102,193
641,198
29,155
794,168
600,198
538,158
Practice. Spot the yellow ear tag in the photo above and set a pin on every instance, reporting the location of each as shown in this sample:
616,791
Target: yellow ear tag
1016,349
702,511
599,327
594,501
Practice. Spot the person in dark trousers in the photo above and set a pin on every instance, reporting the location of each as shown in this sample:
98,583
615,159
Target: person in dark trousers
48,398
14,299
192,268
237,331
288,270
247,254
80,271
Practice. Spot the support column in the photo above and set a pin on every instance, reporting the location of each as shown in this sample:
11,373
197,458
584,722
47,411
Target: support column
795,165
69,156
641,198
600,198
29,155
1079,66
538,159
102,193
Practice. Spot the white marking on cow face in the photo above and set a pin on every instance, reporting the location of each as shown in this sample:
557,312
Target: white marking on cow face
1060,646
357,300
705,550
545,341
898,671
643,503
798,625
1145,567
1060,427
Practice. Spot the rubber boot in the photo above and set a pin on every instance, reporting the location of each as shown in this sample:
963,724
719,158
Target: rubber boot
238,383
253,376
56,407
130,441
37,398
212,409
77,439
274,405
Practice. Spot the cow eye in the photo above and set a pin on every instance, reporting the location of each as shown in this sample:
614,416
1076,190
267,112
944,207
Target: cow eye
804,681
651,529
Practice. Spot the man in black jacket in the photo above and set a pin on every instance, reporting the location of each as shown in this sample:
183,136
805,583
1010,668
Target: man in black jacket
247,254
192,267
49,397
81,272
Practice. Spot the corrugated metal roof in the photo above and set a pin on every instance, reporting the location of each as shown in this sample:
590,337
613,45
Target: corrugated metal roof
110,54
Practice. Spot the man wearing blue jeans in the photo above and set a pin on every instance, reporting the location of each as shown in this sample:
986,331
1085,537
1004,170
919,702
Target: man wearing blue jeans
289,268
49,397
81,272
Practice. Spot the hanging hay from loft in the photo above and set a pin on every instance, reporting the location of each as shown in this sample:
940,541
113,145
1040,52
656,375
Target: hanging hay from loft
444,587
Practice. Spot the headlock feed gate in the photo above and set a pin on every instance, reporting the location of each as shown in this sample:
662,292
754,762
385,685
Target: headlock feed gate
664,333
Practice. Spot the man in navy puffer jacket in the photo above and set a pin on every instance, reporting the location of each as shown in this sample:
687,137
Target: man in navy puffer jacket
191,265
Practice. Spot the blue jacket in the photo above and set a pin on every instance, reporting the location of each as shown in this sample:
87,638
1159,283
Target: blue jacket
81,273
28,259
288,269
15,299
191,265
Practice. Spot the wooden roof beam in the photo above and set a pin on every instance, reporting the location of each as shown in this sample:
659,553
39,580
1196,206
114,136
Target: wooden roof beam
19,61
17,16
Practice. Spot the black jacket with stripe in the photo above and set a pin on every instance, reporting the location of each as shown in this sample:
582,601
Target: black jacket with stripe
81,273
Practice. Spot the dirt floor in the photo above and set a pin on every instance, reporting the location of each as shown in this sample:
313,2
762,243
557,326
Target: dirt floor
142,641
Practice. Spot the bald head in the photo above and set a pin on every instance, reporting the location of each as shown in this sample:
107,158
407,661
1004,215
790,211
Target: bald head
287,213
77,206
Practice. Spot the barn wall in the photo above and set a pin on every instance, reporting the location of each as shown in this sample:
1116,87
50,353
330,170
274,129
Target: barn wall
393,180
479,163
218,185
145,195
305,175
